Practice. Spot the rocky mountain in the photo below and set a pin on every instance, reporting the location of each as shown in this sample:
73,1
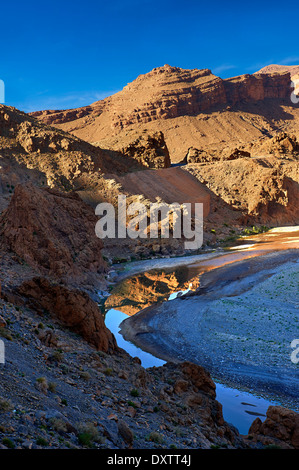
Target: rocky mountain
53,232
66,383
29,150
293,70
193,108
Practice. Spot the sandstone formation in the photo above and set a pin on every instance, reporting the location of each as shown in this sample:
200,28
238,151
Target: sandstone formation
275,68
72,307
54,233
293,70
281,145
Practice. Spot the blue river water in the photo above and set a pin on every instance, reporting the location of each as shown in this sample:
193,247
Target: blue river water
239,408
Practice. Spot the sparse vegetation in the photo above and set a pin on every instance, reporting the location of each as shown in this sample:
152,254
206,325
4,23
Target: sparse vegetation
8,443
5,405
5,333
155,437
40,441
42,384
89,435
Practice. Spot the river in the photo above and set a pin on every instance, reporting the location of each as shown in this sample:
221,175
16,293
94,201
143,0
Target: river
160,282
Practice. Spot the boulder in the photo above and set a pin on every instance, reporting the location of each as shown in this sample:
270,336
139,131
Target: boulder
280,428
148,149
72,307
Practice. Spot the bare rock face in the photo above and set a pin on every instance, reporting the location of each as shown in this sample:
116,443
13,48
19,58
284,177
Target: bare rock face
234,153
31,150
72,307
33,139
165,92
199,377
4,121
257,87
192,385
54,233
280,144
168,92
150,150
193,108
275,68
195,155
264,189
280,428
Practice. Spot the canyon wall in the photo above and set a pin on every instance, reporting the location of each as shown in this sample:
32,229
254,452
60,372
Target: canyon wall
169,92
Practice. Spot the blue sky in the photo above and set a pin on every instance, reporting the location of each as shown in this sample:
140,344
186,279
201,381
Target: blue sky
64,54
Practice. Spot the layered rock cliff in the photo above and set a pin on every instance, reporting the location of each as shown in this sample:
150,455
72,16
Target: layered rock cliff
193,108
169,92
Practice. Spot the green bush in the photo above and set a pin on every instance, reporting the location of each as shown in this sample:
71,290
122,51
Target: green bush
8,443
40,441
5,405
155,437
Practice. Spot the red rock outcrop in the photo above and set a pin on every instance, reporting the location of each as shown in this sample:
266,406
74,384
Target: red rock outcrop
281,428
149,150
165,92
275,68
73,308
193,386
54,233
195,155
282,144
257,87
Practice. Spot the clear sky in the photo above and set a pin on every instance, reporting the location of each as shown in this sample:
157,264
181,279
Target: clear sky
69,53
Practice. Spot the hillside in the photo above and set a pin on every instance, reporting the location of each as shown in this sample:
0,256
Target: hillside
47,156
275,68
66,382
193,108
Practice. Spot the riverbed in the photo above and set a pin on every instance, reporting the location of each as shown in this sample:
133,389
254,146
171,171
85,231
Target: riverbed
247,340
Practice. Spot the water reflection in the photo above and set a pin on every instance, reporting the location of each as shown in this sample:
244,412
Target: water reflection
142,290
158,285
239,408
